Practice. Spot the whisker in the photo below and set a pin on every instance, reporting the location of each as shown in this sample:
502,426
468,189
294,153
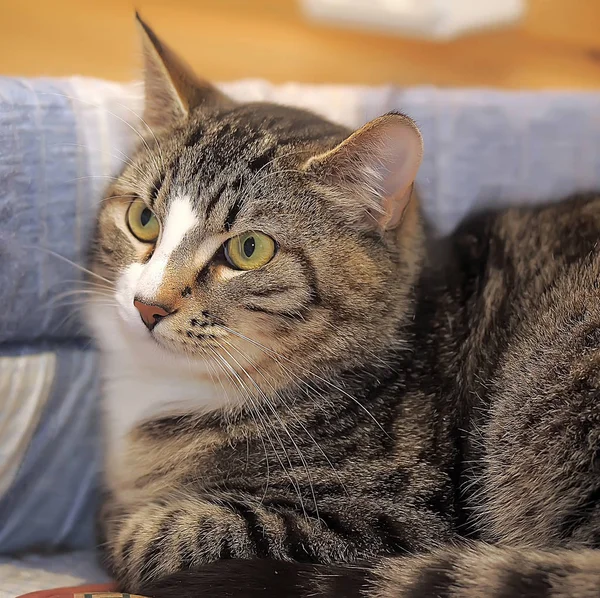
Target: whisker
68,261
129,125
261,429
298,421
282,424
89,283
158,147
126,195
288,473
94,176
81,303
309,373
53,300
122,157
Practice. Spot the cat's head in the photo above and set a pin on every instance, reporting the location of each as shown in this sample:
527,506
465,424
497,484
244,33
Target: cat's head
250,232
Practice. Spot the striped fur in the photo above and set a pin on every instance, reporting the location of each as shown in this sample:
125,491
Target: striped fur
342,420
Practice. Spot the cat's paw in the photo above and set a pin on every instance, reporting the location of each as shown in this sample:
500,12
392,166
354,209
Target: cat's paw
159,539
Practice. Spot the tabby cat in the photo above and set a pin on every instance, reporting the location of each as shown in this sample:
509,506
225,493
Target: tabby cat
306,395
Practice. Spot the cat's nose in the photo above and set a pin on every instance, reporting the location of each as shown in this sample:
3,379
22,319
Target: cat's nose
151,314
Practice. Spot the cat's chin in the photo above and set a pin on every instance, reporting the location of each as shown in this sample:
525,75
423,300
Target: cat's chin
162,346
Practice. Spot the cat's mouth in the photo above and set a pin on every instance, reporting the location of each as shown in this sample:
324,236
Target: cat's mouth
191,339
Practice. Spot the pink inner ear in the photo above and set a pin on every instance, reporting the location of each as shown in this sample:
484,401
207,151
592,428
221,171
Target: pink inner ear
394,209
395,157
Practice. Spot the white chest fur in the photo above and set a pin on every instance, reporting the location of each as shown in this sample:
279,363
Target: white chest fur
133,395
142,381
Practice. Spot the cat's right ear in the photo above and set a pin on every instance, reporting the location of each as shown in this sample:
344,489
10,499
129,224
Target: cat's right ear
171,88
374,170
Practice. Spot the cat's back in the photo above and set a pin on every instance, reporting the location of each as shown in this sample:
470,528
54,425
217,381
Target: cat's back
536,332
533,280
560,231
546,260
522,261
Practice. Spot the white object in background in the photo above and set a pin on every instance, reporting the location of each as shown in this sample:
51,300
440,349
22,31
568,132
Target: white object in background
433,19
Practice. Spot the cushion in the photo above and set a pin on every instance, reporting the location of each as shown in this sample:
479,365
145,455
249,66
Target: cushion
39,572
61,140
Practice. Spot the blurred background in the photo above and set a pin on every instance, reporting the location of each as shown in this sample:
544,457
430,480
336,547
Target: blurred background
552,44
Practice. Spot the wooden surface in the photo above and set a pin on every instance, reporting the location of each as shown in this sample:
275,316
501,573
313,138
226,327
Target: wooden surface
556,46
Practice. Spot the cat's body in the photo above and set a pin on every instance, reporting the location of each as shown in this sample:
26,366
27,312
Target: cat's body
378,394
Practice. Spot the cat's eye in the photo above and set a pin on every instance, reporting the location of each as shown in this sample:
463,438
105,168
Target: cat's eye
142,222
250,251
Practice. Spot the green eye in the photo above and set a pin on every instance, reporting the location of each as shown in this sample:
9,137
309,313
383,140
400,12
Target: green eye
142,222
250,251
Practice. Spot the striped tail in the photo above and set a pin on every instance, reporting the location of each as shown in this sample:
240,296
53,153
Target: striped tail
477,571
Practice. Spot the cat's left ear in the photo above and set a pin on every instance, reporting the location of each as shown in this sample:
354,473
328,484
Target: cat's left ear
172,90
375,169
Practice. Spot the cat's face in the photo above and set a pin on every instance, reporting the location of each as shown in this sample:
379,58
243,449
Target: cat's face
246,233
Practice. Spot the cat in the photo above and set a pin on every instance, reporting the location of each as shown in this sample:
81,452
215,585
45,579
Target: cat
306,394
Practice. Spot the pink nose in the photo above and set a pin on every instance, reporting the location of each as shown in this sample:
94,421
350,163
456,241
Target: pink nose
151,314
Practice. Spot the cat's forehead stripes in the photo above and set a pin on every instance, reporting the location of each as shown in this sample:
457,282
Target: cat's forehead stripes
181,218
218,155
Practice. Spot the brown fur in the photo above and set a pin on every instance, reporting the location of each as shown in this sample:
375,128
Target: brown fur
395,398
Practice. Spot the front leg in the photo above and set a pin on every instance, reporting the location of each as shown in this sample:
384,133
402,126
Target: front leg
171,535
183,532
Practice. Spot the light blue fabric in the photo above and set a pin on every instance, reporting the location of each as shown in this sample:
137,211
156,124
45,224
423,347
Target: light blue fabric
43,206
487,148
29,573
482,147
52,501
46,203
